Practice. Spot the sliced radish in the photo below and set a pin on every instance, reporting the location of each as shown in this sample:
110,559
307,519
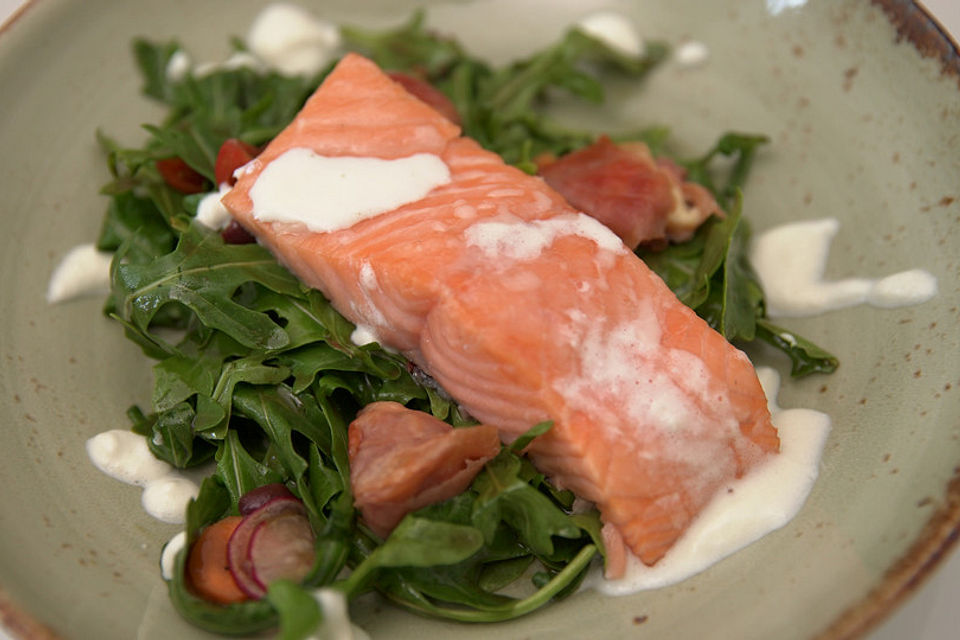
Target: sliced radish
282,548
238,549
253,500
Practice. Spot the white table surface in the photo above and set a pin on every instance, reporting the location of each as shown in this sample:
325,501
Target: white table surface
934,612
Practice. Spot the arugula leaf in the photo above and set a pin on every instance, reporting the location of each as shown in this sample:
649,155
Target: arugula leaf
279,415
409,46
743,148
300,615
170,435
416,542
194,369
457,584
499,574
325,482
202,274
502,495
806,357
239,471
153,60
135,221
501,108
205,110
535,431
407,596
712,273
735,300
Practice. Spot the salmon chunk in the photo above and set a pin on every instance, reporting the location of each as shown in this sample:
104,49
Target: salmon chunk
524,309
402,460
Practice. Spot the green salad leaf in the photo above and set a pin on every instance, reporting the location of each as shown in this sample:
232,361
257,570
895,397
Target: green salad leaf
501,108
300,615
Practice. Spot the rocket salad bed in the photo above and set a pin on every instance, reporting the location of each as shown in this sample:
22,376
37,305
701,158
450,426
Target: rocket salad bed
260,375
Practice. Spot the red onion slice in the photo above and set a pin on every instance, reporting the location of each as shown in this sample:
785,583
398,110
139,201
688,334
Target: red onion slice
239,554
282,547
253,500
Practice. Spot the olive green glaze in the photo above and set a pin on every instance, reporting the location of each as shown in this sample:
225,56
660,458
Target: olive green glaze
863,128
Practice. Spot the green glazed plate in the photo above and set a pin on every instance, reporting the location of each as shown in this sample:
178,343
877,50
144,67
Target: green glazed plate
862,103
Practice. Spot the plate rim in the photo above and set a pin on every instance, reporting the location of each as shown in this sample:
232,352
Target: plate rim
915,24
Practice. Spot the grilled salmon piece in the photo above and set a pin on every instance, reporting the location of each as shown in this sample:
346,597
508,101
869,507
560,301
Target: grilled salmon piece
526,310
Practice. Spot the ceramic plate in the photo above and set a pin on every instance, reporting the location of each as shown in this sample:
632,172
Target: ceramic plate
864,127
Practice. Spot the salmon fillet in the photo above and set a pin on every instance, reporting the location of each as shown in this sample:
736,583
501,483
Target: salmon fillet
525,310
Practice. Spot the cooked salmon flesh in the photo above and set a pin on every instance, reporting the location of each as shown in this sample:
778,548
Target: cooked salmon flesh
524,310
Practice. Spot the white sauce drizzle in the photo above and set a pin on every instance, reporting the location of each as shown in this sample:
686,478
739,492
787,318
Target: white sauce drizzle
168,557
124,456
614,363
328,194
790,261
178,66
292,40
166,498
283,37
745,510
691,54
363,334
237,60
517,239
83,271
336,623
210,211
615,30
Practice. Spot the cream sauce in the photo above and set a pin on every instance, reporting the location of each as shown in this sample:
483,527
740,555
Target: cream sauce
283,37
517,239
745,510
291,186
292,40
178,66
168,557
363,335
791,259
691,54
210,211
615,30
336,623
124,456
625,363
83,271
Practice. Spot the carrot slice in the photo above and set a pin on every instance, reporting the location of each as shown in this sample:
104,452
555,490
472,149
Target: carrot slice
208,571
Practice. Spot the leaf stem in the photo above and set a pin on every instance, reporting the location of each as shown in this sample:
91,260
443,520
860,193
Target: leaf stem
514,609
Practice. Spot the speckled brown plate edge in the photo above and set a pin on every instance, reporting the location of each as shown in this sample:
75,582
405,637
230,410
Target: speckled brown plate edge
914,24
14,620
